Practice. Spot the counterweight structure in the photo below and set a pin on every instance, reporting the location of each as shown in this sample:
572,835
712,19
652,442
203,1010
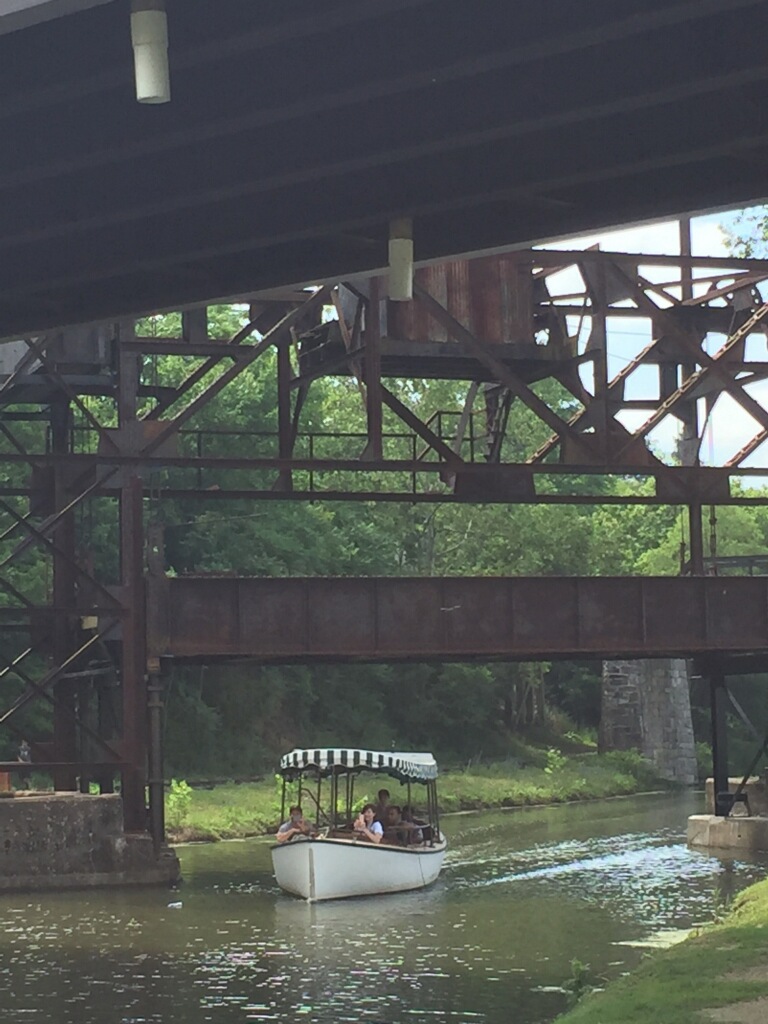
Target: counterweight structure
89,438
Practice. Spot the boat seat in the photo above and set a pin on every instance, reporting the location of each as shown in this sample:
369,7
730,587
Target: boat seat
394,836
341,832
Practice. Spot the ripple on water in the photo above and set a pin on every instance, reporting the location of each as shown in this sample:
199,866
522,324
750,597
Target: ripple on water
499,930
635,875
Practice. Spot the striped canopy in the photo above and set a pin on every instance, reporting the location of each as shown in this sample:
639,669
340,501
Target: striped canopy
406,767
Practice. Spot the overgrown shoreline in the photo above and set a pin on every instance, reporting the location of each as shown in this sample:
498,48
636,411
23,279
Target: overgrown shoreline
724,966
235,811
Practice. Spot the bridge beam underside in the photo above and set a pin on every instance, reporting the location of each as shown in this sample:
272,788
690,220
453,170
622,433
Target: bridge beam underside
416,619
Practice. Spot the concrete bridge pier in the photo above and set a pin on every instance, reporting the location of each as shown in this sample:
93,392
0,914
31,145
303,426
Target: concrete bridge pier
646,707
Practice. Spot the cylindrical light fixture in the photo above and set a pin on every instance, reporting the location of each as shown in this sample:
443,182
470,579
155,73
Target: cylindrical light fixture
401,259
149,36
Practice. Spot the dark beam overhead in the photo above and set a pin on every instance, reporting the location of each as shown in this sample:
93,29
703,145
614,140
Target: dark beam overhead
296,130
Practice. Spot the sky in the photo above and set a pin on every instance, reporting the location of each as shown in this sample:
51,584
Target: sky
662,237
730,426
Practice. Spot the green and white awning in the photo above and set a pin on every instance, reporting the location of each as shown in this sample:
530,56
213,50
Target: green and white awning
404,766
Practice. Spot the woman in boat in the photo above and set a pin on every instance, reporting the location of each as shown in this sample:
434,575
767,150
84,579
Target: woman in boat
366,828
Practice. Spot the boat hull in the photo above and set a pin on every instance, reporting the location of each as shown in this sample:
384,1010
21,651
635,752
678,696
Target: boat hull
331,869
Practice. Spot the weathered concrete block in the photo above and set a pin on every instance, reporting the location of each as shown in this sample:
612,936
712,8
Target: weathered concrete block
748,835
68,840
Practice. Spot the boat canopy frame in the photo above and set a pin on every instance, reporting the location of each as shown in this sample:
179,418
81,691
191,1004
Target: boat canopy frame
334,763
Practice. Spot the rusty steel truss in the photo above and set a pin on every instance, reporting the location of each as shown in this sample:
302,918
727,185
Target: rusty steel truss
88,433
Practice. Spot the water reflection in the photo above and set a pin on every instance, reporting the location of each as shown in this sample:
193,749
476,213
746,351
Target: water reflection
521,896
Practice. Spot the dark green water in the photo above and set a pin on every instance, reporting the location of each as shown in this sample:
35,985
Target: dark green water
522,894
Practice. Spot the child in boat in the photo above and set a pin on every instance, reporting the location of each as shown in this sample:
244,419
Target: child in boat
366,827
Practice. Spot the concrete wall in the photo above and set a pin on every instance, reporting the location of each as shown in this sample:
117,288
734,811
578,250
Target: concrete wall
646,707
731,835
69,840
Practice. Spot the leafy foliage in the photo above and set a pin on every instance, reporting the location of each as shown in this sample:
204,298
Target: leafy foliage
178,803
234,719
531,777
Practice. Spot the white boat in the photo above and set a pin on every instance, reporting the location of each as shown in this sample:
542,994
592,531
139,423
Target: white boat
337,862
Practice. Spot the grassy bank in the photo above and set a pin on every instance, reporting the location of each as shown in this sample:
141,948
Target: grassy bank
726,966
543,776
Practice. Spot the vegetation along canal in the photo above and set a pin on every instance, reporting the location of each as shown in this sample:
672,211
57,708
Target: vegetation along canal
524,893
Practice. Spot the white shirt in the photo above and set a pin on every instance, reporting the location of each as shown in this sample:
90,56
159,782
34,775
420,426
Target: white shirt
375,827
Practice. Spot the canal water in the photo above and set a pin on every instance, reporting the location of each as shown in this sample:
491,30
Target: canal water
523,895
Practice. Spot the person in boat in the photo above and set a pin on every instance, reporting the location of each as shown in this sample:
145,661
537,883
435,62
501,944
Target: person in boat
392,818
413,826
366,827
380,809
296,825
397,829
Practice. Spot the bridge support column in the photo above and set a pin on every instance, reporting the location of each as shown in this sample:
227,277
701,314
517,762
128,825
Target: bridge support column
155,765
65,734
646,707
133,664
696,533
133,661
718,696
